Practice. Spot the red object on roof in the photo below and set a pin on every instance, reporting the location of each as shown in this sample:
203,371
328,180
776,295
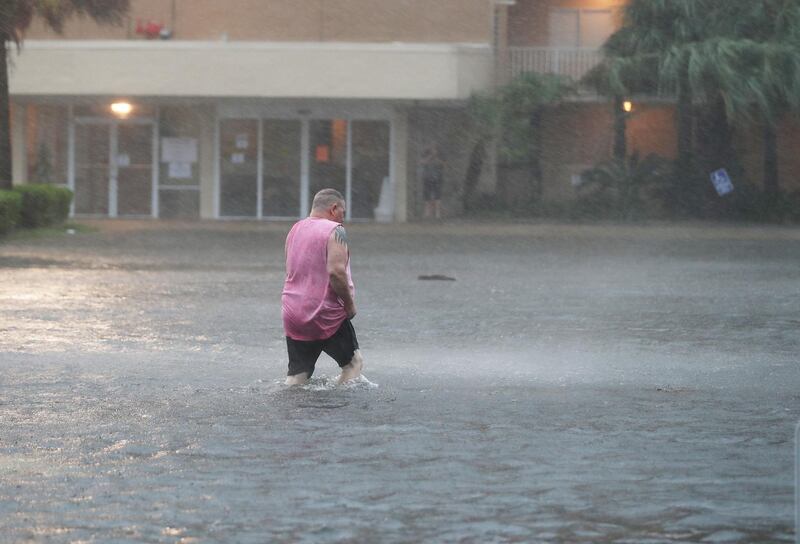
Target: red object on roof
149,30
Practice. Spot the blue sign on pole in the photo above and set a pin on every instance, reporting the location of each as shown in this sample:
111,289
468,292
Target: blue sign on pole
722,182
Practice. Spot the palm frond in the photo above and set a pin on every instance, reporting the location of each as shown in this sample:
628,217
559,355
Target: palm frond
747,53
17,15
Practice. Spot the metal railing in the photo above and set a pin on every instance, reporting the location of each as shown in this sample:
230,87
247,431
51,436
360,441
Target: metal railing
574,62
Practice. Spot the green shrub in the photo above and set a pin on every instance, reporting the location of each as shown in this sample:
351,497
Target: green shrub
793,206
43,205
10,205
748,202
625,190
596,205
61,204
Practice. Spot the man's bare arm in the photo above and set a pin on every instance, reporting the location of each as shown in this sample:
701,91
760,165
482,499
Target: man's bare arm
337,269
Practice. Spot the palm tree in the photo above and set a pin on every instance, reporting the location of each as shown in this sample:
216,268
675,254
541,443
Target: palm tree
623,183
514,114
768,38
651,54
748,72
748,82
15,17
524,103
738,57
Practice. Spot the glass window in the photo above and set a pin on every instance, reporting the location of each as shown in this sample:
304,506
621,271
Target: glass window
580,27
328,161
281,168
370,167
134,169
596,26
47,148
238,142
179,182
564,28
92,147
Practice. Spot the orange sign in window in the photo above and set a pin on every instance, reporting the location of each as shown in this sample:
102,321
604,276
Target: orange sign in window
322,153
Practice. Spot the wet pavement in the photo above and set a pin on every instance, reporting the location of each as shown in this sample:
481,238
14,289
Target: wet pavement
574,384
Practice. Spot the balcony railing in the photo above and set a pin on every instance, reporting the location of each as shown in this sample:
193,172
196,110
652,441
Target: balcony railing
574,62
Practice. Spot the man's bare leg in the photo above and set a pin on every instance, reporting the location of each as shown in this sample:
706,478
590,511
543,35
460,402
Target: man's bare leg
352,370
297,379
428,209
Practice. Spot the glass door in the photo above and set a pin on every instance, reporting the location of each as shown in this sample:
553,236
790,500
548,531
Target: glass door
353,158
92,168
272,168
134,169
114,168
281,169
328,156
370,188
238,141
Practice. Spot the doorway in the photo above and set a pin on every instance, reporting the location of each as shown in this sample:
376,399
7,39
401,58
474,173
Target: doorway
115,167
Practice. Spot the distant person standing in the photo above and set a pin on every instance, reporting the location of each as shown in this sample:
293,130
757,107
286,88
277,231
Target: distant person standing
317,302
432,178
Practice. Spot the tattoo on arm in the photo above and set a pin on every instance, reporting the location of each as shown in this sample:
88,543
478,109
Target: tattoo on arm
340,235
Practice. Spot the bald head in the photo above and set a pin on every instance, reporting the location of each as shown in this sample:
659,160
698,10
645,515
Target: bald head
326,198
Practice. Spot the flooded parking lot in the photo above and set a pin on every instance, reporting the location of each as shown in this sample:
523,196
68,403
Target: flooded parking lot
574,384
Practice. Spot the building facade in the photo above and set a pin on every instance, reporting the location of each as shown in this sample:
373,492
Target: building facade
244,108
565,37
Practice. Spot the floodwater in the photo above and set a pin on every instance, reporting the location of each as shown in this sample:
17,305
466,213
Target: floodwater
574,384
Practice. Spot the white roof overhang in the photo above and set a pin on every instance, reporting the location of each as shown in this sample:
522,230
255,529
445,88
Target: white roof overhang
251,69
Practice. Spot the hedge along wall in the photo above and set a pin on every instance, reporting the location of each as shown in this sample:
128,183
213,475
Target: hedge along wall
34,206
43,205
10,208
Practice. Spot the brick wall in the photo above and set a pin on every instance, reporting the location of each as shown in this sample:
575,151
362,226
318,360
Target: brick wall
298,20
529,19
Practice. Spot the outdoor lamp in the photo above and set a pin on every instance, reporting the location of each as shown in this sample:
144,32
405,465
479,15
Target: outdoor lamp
627,106
121,109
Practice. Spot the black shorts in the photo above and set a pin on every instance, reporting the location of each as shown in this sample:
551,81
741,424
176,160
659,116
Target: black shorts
341,347
432,188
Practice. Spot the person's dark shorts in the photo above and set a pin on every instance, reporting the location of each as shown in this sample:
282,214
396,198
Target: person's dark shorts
341,347
432,188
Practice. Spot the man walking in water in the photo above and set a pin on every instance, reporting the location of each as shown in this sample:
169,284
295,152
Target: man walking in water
317,302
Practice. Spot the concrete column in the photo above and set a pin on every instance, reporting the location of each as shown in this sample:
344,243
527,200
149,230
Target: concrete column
399,164
19,152
208,162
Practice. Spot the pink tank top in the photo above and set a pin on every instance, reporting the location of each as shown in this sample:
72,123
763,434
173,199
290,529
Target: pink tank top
310,307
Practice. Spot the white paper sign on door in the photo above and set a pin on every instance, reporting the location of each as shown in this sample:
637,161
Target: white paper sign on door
180,170
179,150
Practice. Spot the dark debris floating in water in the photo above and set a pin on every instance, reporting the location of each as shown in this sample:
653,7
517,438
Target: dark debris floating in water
435,277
